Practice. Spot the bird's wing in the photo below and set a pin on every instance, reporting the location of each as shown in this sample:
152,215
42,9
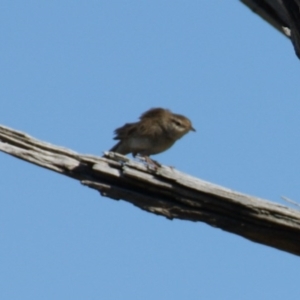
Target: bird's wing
125,131
149,127
141,129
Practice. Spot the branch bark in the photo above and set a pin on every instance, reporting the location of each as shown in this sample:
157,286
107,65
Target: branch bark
292,12
164,191
282,14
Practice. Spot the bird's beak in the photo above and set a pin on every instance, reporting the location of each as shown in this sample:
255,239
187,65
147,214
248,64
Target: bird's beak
193,129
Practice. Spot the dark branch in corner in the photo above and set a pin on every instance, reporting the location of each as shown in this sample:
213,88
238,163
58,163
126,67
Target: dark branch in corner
284,15
165,191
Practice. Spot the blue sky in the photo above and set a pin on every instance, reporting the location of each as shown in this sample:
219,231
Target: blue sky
73,71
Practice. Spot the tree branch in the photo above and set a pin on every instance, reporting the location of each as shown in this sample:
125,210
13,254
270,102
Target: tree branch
164,191
282,14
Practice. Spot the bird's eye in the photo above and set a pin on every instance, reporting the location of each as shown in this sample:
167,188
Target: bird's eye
177,123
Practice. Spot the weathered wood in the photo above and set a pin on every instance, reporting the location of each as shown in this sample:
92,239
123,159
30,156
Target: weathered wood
164,191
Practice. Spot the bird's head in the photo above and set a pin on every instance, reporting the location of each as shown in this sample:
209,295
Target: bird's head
179,126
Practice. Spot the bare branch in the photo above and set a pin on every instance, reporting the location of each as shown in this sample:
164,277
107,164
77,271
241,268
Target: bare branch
165,191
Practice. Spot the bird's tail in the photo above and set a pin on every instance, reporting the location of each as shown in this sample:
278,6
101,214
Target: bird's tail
115,147
121,148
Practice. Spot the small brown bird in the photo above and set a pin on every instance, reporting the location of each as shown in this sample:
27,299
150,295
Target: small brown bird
157,130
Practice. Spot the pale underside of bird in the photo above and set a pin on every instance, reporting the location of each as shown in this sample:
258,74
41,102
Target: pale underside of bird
157,130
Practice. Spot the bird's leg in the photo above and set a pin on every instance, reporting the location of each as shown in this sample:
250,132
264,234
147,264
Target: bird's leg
148,160
152,162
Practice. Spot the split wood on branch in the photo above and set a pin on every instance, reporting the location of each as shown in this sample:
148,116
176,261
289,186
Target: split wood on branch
164,191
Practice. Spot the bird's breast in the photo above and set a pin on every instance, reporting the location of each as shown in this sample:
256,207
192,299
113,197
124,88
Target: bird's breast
150,146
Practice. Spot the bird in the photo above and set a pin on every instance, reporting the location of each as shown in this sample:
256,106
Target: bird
156,131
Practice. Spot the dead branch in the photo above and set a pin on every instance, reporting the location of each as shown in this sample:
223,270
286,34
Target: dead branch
164,191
